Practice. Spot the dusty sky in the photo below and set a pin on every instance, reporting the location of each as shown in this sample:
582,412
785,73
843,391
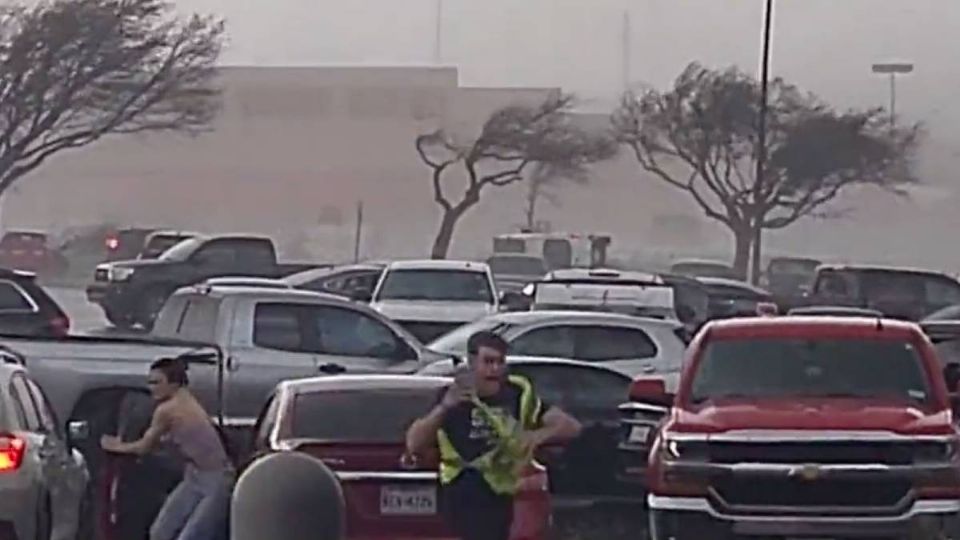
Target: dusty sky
826,46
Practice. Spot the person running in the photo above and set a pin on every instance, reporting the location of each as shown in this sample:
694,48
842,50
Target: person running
197,508
486,426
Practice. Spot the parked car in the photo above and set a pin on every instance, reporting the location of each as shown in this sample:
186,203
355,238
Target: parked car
388,493
790,278
899,293
733,298
819,426
133,292
430,298
44,482
29,251
126,243
27,310
512,271
603,290
630,345
160,241
355,281
699,268
587,472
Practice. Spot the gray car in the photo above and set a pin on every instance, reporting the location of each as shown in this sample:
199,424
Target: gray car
43,479
631,345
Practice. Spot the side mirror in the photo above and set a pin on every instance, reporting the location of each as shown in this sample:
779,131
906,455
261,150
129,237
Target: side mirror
78,431
650,390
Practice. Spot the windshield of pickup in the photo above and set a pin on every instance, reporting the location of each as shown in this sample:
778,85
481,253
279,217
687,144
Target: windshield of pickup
182,251
386,413
823,368
436,285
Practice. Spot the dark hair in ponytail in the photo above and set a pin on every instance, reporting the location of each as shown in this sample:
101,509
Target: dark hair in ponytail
175,370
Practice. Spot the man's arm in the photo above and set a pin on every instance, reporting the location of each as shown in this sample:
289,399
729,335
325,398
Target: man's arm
422,434
556,426
159,425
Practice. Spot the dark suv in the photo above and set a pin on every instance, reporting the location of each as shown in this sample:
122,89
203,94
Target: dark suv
895,292
27,310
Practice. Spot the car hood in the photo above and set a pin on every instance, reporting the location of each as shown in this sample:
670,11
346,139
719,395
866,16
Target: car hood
137,264
808,414
433,311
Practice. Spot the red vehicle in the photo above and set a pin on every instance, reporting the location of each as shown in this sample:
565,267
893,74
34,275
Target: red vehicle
805,427
357,426
27,251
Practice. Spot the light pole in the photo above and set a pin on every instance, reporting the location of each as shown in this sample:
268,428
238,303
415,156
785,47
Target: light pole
892,69
761,141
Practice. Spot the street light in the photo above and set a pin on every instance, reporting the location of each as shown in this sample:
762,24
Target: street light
892,69
761,139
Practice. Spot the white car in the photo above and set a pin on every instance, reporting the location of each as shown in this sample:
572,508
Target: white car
431,298
631,345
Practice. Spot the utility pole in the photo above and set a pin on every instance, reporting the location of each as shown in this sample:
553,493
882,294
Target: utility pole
358,235
438,35
758,191
892,69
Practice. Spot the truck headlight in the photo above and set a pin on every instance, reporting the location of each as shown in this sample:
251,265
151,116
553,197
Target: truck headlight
120,273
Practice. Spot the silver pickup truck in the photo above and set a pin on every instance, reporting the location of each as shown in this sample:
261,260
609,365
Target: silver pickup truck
264,336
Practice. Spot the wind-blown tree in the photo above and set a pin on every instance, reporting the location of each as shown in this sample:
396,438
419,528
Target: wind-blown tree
701,137
513,139
542,185
73,71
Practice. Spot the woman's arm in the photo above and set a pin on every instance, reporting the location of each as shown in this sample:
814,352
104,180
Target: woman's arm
159,425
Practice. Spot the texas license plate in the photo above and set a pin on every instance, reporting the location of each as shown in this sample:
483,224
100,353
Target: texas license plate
408,501
639,434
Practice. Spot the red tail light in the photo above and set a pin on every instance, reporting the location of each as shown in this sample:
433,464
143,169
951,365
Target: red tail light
60,326
12,449
113,243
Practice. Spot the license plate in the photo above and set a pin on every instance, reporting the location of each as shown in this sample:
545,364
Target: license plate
408,501
639,434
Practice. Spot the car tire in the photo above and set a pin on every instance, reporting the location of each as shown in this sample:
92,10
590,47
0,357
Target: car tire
148,307
44,526
117,321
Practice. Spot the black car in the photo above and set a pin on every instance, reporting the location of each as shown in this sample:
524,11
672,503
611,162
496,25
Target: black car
732,298
587,472
27,310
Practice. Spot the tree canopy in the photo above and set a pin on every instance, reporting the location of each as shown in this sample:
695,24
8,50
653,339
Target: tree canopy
701,137
73,71
512,139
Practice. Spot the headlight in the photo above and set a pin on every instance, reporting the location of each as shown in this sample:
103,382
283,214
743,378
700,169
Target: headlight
120,273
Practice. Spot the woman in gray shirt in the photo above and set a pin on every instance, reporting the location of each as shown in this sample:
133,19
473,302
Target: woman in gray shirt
197,508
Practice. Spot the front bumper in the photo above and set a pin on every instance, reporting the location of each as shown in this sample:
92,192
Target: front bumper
683,516
116,297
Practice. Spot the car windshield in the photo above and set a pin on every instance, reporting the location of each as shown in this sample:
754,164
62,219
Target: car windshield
386,414
158,245
517,266
182,250
455,342
436,285
784,368
12,238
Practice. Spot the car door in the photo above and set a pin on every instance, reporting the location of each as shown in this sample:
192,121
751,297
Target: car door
68,480
272,343
627,349
348,340
19,313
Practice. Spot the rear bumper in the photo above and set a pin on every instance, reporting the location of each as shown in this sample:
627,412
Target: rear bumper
669,514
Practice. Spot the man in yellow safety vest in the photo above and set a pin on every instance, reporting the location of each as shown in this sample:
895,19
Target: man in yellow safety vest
486,427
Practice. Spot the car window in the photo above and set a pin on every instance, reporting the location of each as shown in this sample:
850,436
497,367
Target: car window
436,285
47,417
171,316
13,298
199,320
551,342
386,414
942,291
606,343
21,396
345,332
575,388
277,326
834,284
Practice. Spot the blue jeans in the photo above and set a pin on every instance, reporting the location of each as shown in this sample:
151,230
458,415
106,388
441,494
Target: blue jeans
197,509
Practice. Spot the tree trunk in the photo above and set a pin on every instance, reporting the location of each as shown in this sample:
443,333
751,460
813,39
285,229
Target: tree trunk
743,241
441,244
531,210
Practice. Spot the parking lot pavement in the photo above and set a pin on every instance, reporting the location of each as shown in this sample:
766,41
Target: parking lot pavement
85,318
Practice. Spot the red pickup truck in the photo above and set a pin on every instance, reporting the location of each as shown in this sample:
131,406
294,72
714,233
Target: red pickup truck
800,427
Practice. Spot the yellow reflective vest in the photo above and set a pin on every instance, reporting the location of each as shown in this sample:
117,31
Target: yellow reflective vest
502,465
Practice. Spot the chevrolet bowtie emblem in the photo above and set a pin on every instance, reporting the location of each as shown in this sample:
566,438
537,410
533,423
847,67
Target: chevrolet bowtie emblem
808,473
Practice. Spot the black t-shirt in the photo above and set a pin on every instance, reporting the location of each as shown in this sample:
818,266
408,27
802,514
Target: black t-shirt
468,429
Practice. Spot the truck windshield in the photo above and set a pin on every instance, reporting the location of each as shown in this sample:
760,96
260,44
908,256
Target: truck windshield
797,368
182,251
386,413
436,285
